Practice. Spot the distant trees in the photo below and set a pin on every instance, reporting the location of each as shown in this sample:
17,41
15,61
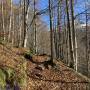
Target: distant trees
61,15
65,33
20,26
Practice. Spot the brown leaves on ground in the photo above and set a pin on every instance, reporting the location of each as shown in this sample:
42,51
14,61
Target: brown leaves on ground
9,58
38,59
59,77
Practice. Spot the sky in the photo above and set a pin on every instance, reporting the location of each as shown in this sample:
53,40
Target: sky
42,5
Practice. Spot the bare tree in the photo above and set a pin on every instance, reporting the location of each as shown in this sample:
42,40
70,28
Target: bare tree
71,62
3,24
51,30
26,7
10,23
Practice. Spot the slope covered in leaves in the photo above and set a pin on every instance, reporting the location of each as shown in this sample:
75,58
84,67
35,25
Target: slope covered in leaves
58,78
13,66
9,58
38,77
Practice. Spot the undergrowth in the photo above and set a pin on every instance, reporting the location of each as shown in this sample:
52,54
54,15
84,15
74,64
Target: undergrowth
12,78
28,54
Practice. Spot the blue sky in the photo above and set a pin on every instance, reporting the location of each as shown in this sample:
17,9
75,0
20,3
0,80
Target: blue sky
42,5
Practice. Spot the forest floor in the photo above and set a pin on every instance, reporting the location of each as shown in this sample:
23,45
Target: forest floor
59,77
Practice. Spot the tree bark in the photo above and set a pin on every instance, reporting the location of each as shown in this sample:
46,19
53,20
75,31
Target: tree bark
71,61
10,23
51,30
3,20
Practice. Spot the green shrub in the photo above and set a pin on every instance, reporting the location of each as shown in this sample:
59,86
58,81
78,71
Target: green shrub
10,77
28,55
10,73
2,78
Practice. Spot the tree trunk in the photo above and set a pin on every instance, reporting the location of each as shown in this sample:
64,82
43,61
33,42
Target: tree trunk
20,25
13,32
51,31
59,31
10,24
71,61
35,31
73,37
3,21
26,8
87,48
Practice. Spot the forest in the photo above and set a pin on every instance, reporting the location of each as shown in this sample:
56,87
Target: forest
44,44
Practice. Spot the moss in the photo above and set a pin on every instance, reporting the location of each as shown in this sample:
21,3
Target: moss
2,78
10,77
22,80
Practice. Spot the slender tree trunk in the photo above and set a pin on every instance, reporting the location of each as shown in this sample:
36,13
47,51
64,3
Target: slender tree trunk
71,62
55,34
72,32
20,24
73,36
24,22
51,31
13,32
76,53
59,31
26,10
55,40
10,23
3,20
35,39
26,35
87,48
66,40
35,31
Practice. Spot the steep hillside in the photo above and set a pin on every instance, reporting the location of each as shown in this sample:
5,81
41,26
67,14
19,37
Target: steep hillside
36,75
